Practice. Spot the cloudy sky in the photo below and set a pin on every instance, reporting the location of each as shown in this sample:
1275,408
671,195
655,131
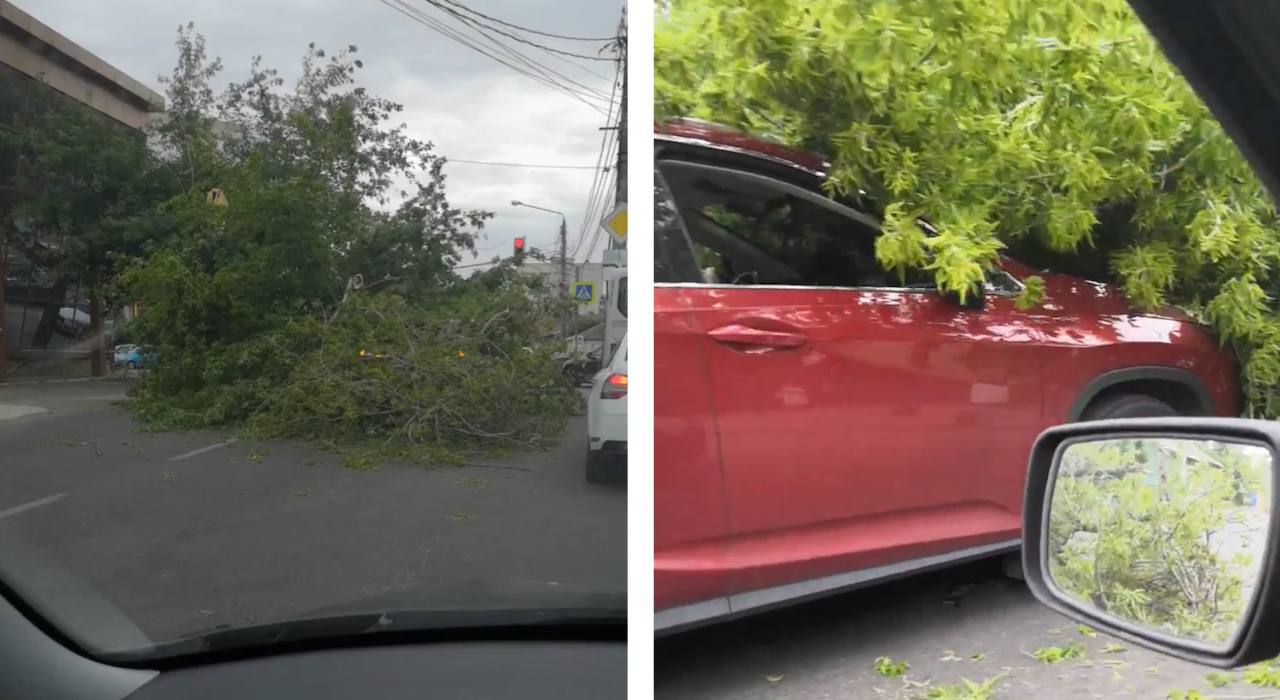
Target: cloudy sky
468,105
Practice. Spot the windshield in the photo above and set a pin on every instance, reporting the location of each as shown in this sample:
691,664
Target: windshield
326,378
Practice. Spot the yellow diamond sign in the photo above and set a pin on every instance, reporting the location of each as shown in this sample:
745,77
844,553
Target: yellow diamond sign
616,223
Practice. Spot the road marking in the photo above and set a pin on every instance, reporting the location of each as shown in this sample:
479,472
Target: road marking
34,504
202,450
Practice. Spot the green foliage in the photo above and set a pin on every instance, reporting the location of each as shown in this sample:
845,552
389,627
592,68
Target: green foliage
1218,680
1052,655
320,304
1263,674
1044,128
966,690
889,668
1137,528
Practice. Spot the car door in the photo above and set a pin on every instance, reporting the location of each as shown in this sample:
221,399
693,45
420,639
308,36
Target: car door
690,522
864,423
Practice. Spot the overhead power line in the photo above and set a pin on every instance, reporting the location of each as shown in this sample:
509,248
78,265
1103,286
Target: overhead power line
418,16
509,35
526,29
527,165
530,62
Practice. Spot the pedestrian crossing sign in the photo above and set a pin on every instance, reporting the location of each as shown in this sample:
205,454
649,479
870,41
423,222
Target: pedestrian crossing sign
584,292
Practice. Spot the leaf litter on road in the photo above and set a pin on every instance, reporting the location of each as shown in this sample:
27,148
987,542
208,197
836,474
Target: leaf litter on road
774,679
1053,655
966,690
889,668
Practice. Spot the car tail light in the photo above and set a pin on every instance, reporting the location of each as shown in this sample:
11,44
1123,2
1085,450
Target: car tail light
615,387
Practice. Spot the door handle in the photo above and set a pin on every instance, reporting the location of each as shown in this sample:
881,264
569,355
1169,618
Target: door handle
738,334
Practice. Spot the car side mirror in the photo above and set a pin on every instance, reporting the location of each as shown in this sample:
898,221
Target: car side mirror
1160,531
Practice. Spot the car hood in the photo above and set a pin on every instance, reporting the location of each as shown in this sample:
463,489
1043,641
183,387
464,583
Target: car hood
1227,52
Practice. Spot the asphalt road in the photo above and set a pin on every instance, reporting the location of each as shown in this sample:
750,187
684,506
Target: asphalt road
191,531
936,623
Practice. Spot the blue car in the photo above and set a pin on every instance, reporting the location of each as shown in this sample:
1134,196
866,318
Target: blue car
142,357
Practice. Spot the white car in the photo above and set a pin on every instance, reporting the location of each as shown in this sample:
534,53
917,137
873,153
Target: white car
607,421
73,321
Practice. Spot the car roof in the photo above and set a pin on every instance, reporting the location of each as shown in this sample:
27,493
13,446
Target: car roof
707,134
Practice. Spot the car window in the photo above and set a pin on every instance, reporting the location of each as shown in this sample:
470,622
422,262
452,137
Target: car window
673,256
622,295
750,229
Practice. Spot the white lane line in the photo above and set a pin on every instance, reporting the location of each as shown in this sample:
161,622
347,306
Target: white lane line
202,450
34,504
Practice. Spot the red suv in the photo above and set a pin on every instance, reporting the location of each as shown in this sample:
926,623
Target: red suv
820,425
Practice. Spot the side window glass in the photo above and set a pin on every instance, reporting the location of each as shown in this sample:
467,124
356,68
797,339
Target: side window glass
622,296
673,259
748,230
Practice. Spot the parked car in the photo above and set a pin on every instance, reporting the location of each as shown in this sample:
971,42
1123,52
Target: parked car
73,321
607,421
120,354
140,357
821,424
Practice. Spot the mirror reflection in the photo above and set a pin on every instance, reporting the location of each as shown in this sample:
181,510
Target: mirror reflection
1167,533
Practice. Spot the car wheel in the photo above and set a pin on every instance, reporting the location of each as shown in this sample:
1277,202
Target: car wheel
1129,406
600,469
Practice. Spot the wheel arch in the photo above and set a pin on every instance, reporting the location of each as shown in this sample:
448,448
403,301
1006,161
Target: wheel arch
1179,387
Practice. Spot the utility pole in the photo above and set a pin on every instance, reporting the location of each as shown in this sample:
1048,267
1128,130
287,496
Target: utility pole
564,274
620,168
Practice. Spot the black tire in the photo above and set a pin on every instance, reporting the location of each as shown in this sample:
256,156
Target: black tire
1128,406
602,470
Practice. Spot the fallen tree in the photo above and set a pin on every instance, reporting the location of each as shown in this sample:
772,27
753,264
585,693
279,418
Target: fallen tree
296,301
1054,129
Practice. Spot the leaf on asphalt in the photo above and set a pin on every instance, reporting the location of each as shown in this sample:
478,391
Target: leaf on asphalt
949,655
1262,674
1052,655
977,656
1087,631
889,668
1115,663
1152,671
774,679
1112,648
1218,680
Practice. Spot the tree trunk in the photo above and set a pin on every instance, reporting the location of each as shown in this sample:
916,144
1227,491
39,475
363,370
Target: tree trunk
97,351
49,317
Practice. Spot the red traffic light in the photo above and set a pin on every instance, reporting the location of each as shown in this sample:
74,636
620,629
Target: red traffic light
519,245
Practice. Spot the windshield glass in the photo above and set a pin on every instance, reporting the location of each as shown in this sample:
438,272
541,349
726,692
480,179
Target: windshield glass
325,379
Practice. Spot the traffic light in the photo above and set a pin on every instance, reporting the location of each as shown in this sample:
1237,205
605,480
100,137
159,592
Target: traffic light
518,253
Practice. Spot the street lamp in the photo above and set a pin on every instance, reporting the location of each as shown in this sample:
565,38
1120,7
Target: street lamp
564,255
